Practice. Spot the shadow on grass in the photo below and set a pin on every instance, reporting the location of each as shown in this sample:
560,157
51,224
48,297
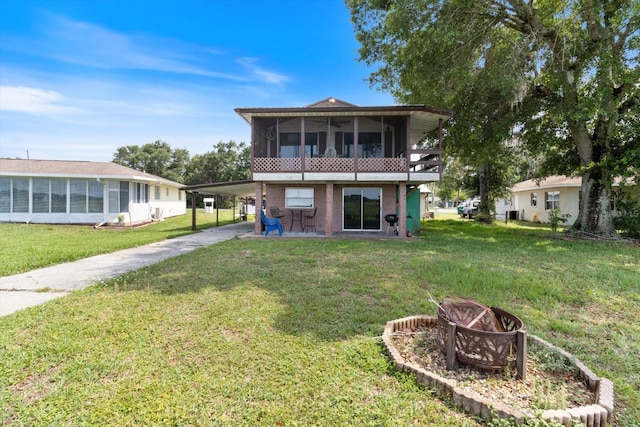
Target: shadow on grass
334,289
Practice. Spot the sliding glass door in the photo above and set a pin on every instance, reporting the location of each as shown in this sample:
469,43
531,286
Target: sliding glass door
361,208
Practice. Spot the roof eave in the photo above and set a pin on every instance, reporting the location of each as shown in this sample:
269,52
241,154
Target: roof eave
248,113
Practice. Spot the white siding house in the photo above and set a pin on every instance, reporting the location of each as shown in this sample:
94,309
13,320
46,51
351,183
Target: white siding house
534,200
78,192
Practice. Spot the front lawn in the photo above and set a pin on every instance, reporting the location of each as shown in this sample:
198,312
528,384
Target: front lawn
286,331
28,246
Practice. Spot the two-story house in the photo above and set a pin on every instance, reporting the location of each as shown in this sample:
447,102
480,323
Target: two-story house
341,166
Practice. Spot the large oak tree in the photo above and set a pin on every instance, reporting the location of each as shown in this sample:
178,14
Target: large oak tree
564,75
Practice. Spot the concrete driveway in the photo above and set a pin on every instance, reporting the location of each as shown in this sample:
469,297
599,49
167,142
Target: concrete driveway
38,286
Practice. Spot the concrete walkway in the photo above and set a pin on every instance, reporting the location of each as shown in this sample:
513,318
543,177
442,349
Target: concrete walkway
38,286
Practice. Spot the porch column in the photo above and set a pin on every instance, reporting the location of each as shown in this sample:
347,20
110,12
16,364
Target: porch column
257,227
194,195
402,200
328,220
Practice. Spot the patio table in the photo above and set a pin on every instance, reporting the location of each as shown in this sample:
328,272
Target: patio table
293,215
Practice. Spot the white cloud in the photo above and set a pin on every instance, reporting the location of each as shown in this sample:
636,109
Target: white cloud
262,74
32,101
95,46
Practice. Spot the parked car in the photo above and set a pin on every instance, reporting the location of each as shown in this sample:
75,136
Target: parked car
470,210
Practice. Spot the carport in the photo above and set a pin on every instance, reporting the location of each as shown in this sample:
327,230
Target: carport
237,189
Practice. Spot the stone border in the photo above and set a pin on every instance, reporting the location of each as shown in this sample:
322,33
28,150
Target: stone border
595,415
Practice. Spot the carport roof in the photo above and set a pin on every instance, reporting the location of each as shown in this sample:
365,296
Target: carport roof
244,188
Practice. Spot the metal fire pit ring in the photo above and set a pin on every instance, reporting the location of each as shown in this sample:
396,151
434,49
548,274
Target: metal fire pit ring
486,350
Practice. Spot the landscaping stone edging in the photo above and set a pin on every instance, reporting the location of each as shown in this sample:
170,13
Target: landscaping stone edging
595,415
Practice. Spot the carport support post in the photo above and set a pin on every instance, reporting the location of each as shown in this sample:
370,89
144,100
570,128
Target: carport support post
194,195
257,228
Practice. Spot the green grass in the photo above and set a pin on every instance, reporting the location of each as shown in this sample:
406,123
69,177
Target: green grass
285,331
25,247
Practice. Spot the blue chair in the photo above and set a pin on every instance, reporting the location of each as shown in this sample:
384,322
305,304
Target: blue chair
270,224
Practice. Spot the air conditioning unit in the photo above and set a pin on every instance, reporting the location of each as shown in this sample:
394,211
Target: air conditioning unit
158,215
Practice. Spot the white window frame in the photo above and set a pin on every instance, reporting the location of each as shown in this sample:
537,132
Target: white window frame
299,198
552,200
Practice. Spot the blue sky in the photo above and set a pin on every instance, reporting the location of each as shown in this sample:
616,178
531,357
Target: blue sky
81,78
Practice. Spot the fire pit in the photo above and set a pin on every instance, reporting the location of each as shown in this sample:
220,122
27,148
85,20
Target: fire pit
485,337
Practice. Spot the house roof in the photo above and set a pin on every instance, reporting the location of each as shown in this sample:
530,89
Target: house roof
423,118
330,102
245,188
554,182
77,169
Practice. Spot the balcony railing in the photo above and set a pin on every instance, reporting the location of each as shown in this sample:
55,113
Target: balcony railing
329,164
423,160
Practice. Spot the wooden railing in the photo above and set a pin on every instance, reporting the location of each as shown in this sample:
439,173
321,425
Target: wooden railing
430,161
329,164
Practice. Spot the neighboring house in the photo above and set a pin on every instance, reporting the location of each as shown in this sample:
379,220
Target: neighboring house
349,165
77,192
534,200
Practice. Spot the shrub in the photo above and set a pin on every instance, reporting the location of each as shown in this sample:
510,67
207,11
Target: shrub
483,217
627,221
556,217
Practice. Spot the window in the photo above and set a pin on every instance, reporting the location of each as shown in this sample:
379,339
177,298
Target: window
20,194
5,195
311,145
114,196
49,196
369,145
40,195
96,197
534,199
118,196
124,196
78,195
290,145
141,194
552,200
167,192
58,195
298,198
179,194
86,196
156,192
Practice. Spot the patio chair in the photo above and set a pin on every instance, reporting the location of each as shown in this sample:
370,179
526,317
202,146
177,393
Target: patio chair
277,213
270,224
309,220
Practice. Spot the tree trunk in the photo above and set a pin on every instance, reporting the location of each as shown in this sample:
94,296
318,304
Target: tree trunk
594,216
483,184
